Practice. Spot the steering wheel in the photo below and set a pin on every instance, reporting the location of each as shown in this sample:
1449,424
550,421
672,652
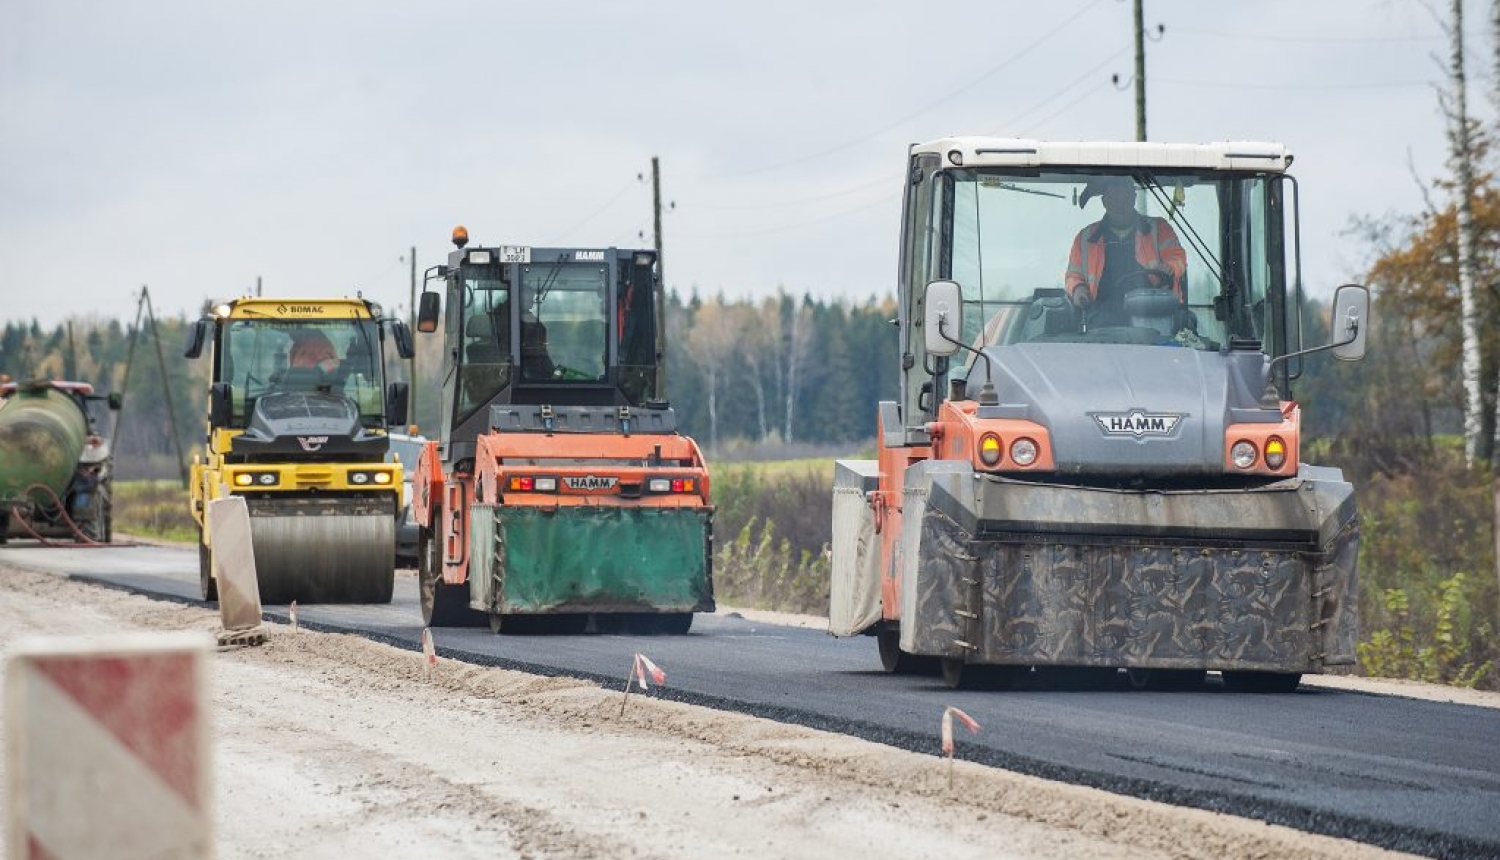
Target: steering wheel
1154,278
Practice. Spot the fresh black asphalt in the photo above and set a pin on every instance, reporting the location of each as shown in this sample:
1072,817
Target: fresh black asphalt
1404,774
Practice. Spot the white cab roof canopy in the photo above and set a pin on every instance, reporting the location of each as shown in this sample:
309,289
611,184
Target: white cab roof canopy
1015,152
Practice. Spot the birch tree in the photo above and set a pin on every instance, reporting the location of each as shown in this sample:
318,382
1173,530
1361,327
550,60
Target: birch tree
1476,448
799,337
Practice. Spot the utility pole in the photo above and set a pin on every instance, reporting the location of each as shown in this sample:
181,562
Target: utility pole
661,282
411,315
70,362
1140,71
257,286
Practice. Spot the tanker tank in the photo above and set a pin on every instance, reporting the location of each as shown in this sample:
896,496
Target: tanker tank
48,455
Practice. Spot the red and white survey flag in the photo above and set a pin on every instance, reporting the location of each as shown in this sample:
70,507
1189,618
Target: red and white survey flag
969,723
428,650
644,667
291,612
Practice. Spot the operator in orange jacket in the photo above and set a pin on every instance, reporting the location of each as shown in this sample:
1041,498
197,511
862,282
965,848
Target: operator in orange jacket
1120,252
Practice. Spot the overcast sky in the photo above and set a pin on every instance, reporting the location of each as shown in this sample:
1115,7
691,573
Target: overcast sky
195,146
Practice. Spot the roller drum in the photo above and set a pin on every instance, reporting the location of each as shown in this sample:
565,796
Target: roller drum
42,434
324,558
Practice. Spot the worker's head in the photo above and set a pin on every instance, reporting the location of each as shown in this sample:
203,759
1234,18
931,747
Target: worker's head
310,347
1116,192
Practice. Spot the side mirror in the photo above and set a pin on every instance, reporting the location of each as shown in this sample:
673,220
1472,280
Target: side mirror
402,334
1350,322
942,317
396,395
116,400
197,336
428,308
220,404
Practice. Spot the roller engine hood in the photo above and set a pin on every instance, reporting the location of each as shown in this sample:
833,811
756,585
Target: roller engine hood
307,424
1128,411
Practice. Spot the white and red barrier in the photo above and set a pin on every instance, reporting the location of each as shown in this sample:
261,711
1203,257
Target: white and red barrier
947,735
429,651
640,669
234,568
106,749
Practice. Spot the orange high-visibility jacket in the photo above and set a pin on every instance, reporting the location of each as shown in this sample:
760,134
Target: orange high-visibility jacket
1156,246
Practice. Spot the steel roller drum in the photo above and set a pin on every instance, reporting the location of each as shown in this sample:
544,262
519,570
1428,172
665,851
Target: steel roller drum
324,559
42,433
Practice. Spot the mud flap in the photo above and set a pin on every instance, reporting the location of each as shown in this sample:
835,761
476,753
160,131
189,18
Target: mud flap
591,559
854,582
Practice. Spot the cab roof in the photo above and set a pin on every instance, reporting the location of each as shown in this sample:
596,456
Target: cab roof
1249,156
341,307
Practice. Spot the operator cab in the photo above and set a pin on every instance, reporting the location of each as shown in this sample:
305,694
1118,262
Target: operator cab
555,327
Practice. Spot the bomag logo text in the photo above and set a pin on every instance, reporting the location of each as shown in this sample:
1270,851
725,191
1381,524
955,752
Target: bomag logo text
299,309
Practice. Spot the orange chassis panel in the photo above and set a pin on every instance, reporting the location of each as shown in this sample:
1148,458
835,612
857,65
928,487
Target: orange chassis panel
499,456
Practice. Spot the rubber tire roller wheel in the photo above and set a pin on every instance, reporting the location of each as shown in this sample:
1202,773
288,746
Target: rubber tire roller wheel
443,605
207,585
1262,682
1165,680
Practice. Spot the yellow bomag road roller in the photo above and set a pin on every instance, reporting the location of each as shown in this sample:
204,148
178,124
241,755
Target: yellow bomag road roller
297,414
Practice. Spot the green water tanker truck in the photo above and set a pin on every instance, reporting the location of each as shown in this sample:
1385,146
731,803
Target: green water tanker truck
55,466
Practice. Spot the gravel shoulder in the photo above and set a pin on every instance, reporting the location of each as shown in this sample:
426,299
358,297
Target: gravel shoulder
329,744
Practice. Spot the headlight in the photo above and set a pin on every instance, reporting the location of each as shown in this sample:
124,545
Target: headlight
989,449
1242,454
359,477
659,485
1275,452
382,477
267,479
1023,452
546,485
243,479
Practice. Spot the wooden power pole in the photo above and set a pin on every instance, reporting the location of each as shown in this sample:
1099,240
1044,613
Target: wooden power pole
411,314
1140,71
661,282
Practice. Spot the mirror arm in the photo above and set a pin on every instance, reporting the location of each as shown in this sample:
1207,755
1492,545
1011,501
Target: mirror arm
987,395
1272,397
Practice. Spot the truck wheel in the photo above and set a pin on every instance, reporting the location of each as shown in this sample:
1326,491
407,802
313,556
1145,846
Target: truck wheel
1165,680
953,672
1262,682
674,623
892,658
443,605
206,583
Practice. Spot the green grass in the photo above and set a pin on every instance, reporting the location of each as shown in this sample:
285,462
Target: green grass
155,509
822,466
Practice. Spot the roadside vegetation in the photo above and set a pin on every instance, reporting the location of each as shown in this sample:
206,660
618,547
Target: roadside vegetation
153,509
771,535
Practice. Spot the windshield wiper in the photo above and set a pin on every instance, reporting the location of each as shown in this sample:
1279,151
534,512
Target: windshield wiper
1009,186
1148,180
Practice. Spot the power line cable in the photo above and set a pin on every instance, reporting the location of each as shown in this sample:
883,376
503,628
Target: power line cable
781,228
908,117
799,201
1313,40
597,212
1388,85
1041,123
1058,93
887,197
886,179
